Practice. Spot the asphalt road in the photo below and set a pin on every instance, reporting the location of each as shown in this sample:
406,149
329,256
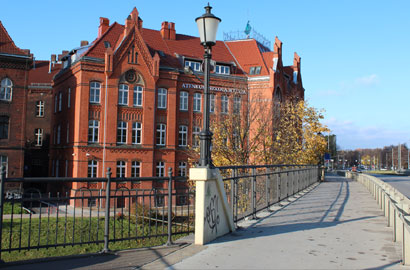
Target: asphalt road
401,183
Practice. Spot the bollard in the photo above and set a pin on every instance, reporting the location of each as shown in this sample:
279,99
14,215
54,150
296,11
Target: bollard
169,241
2,178
107,212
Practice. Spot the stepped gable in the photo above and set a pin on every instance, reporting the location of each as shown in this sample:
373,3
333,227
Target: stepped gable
183,45
7,44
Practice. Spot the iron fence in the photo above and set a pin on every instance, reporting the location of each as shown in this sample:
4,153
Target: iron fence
250,189
96,211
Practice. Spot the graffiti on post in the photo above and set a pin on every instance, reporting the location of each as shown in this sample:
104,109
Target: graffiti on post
212,214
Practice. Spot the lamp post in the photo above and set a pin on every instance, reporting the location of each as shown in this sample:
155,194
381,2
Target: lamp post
207,27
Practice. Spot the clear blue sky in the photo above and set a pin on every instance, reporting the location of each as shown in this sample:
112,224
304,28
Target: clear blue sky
355,53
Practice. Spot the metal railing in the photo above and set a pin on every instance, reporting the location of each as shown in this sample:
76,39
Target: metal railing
250,189
395,206
96,211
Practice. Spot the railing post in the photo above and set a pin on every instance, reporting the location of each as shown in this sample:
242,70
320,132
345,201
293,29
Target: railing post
169,241
107,212
267,187
2,178
233,192
236,186
253,193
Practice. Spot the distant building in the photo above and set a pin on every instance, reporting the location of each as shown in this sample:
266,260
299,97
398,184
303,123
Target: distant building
124,102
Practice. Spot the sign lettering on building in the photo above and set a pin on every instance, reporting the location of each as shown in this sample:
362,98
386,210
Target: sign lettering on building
214,88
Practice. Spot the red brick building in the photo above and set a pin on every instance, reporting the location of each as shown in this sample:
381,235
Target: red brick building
38,114
15,65
123,101
25,110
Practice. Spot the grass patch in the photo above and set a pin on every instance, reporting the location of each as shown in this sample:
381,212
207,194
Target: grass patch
383,172
9,208
72,234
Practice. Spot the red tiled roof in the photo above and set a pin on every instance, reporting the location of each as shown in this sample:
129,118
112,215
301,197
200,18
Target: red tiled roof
97,49
248,55
6,43
40,74
184,45
268,59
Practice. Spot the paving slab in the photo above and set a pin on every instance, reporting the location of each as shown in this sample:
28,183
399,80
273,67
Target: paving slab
336,225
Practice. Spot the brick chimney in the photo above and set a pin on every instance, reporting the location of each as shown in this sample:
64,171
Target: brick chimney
128,25
104,25
83,43
164,30
172,33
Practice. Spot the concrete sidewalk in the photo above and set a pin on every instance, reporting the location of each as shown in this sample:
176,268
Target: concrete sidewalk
337,225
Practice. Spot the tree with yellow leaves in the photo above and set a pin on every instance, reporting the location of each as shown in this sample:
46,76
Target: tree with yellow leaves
264,133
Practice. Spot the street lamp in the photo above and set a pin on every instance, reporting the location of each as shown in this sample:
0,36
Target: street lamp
207,27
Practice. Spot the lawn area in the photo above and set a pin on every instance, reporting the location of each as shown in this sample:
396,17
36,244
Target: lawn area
382,172
72,234
8,208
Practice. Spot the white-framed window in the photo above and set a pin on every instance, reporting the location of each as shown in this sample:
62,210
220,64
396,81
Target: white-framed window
93,127
58,134
60,101
195,136
4,162
137,96
224,104
183,101
92,168
236,104
122,132
195,65
222,69
162,98
212,103
255,70
55,103
123,94
183,136
121,165
38,136
69,98
136,132
68,133
160,169
182,168
161,134
6,89
95,90
197,102
4,127
40,108
136,169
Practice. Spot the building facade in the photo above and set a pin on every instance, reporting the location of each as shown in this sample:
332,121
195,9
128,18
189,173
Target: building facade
124,101
15,65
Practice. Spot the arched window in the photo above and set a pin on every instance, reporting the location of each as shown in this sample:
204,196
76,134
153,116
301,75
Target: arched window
6,89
